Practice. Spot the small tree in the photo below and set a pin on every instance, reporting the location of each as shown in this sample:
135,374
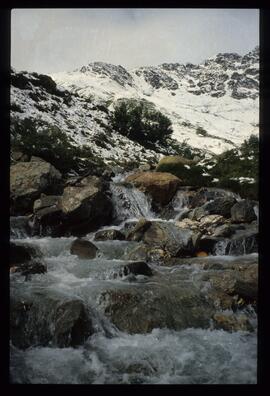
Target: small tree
140,123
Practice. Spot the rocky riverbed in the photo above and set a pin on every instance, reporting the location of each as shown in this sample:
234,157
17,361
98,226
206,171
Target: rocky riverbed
132,278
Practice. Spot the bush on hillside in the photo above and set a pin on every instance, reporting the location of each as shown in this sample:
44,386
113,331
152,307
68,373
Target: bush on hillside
140,122
51,144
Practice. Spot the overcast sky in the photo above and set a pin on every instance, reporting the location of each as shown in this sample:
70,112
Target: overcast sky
52,40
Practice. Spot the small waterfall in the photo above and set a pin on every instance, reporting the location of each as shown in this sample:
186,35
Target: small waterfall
19,227
221,247
180,204
236,247
130,203
256,211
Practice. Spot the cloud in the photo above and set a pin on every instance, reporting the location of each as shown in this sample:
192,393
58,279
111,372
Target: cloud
51,40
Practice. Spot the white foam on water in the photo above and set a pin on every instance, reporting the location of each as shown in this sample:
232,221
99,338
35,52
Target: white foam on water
191,356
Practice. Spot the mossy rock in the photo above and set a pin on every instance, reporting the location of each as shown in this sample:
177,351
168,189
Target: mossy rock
185,169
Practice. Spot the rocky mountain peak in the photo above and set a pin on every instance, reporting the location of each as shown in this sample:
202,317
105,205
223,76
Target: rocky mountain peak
117,73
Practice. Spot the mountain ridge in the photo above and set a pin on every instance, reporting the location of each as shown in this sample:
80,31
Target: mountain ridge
79,103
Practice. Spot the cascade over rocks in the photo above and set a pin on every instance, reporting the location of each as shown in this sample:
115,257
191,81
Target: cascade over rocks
161,186
28,180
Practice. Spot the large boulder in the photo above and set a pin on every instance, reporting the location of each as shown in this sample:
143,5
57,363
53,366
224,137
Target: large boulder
220,206
48,217
47,317
161,186
83,249
243,283
175,241
86,206
26,259
187,170
204,195
28,180
243,212
140,309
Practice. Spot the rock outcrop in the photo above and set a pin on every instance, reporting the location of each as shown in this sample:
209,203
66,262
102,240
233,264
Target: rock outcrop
28,180
86,206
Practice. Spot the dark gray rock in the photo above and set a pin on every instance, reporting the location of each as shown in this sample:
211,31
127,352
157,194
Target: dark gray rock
243,212
221,206
111,235
136,268
47,317
21,253
83,249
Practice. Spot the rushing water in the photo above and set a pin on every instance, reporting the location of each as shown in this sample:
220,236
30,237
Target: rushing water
111,356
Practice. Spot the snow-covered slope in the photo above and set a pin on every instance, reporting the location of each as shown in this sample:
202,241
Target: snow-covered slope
37,100
219,96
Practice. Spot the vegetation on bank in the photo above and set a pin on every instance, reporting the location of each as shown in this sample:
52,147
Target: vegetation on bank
236,169
53,145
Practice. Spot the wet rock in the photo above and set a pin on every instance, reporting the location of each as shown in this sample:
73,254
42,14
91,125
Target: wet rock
20,253
204,195
28,180
29,268
46,201
243,212
161,186
188,223
110,235
208,243
197,214
86,206
140,310
175,241
83,249
26,259
48,217
136,233
47,318
140,252
224,230
211,220
243,284
19,227
220,206
232,322
136,268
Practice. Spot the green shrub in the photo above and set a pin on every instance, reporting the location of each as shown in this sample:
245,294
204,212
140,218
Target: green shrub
140,122
190,174
51,144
